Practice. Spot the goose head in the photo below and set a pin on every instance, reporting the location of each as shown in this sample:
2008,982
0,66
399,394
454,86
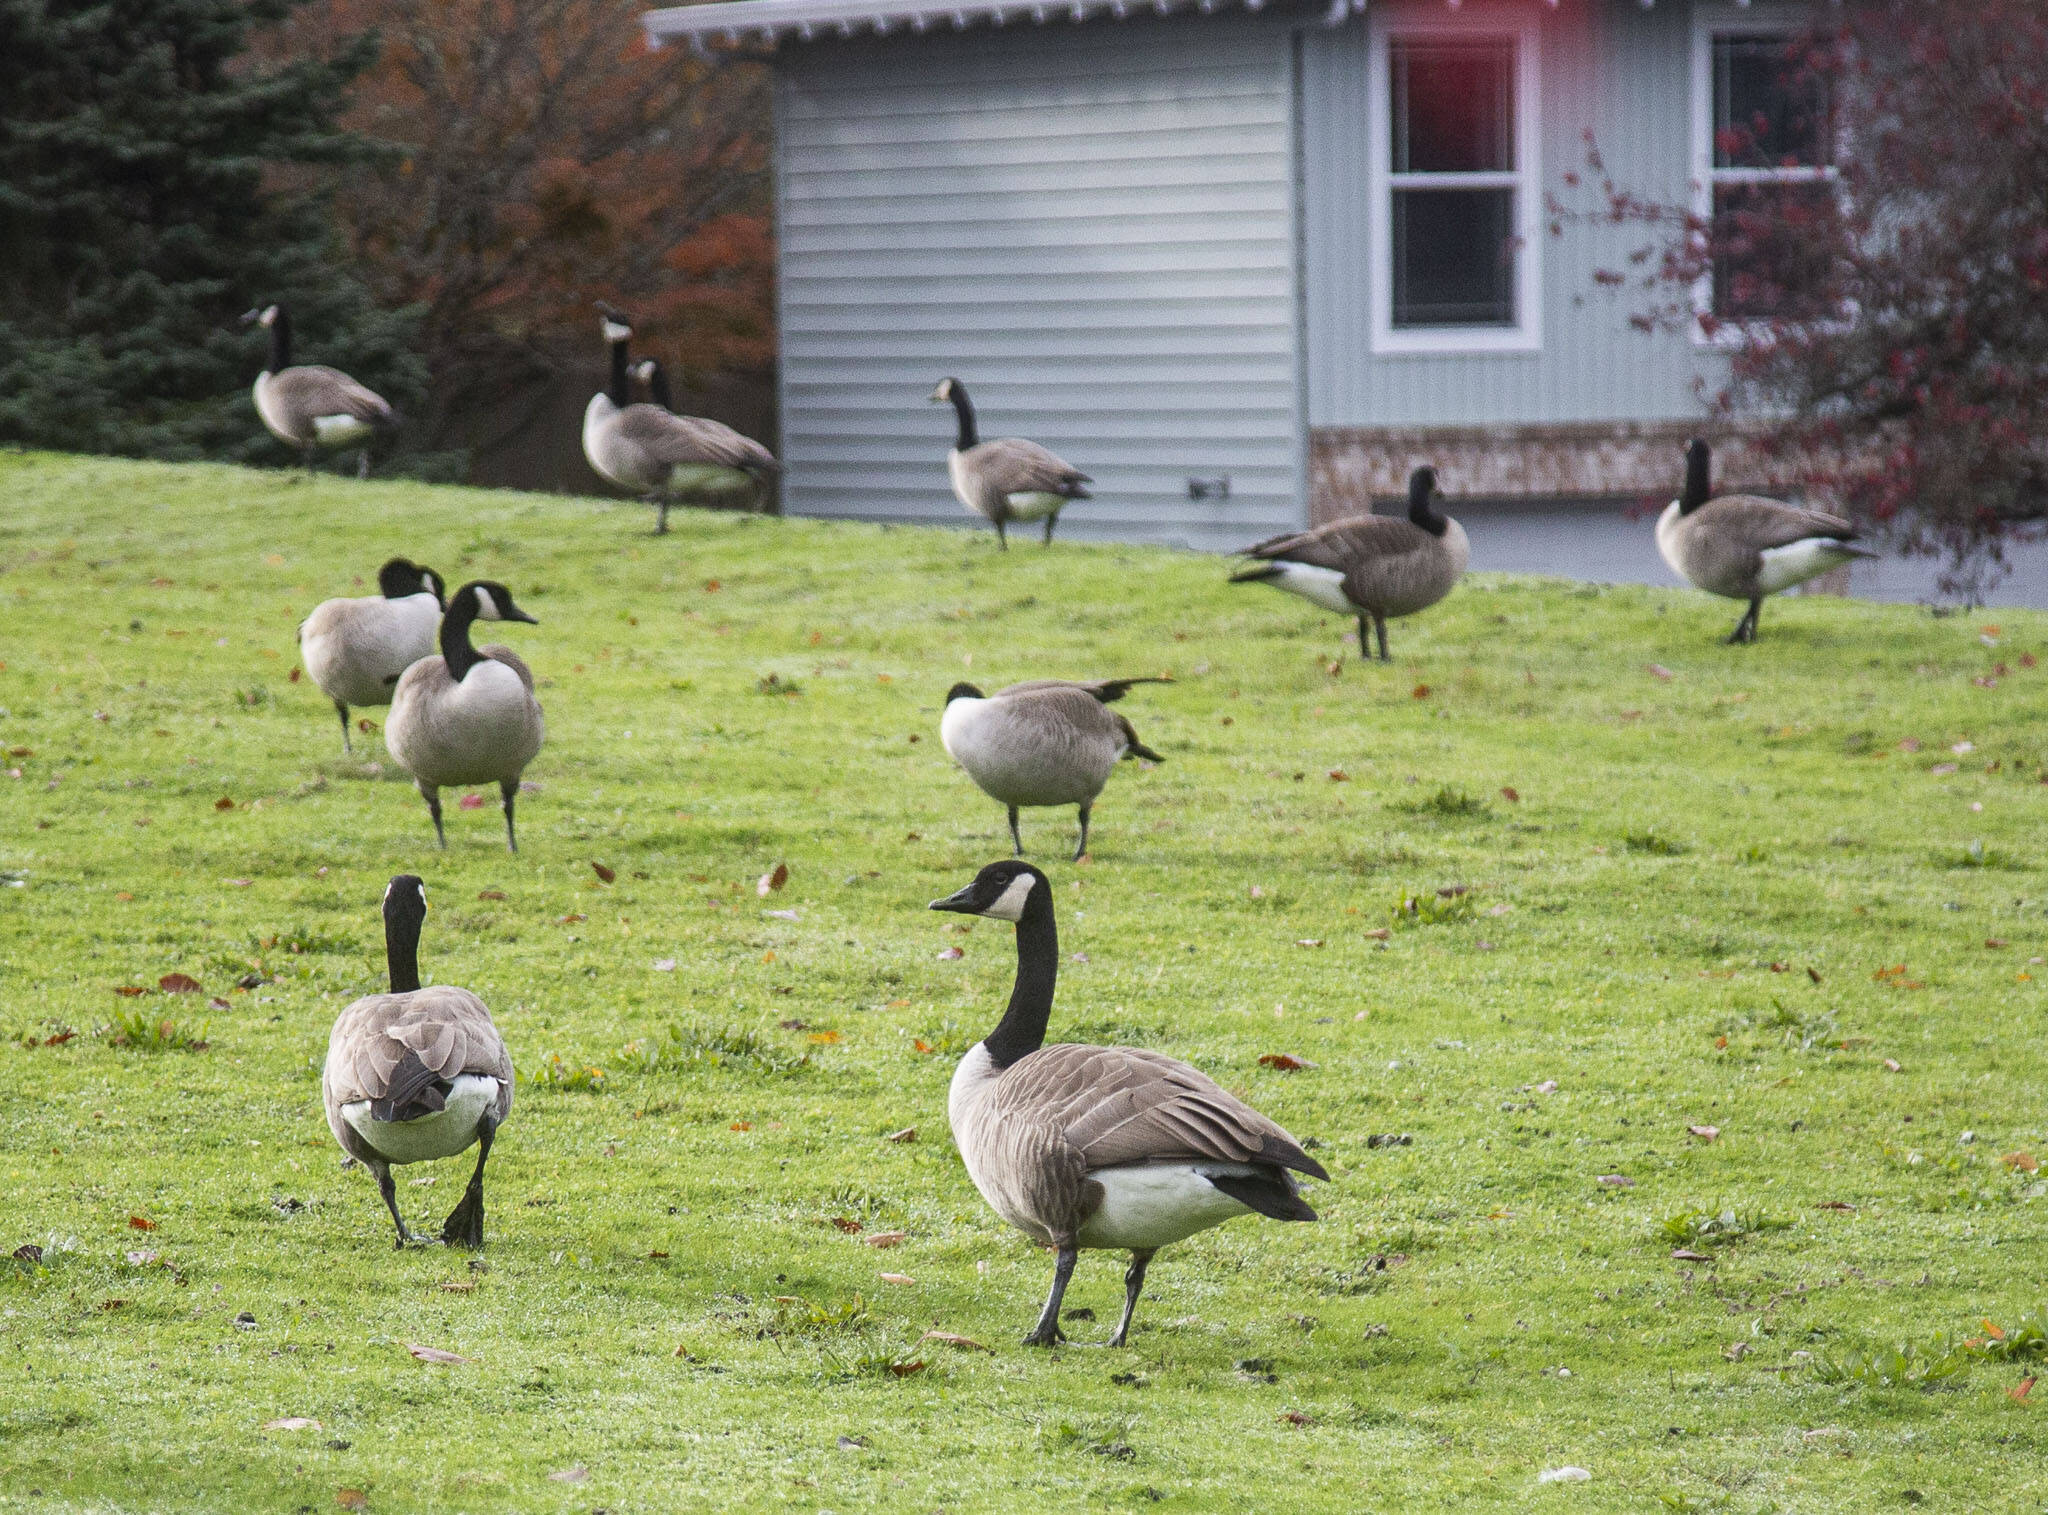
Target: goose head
616,325
491,601
943,395
263,315
964,692
405,906
1000,891
1421,501
401,577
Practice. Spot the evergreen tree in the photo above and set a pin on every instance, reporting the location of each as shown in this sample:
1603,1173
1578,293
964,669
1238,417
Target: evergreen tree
156,181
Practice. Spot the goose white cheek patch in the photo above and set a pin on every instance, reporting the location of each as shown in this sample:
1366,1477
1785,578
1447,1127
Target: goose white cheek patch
486,607
1009,905
613,332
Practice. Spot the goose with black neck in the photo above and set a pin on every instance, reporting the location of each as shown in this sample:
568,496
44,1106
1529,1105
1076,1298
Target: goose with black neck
1006,479
1116,1148
416,1074
1377,568
468,715
311,407
355,650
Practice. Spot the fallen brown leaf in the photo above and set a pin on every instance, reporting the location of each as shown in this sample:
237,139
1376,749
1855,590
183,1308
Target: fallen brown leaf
741,1125
953,1339
657,1257
770,882
352,1499
1420,692
470,802
907,1134
1658,670
1508,793
847,1224
885,1238
576,1474
919,1044
608,875
2018,1392
1295,1418
1686,1254
825,1038
129,991
1286,1062
434,1354
459,1286
111,1305
1833,1204
1380,933
178,983
490,894
1339,776
294,676
951,954
1892,1065
2022,1162
905,1369
570,920
141,1223
223,803
1995,943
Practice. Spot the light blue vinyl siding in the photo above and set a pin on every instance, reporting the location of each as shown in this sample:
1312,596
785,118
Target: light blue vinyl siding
1091,227
1606,65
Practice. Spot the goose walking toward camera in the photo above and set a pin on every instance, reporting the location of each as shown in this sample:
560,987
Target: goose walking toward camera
1377,568
1008,479
666,459
1100,1147
1042,742
311,407
355,650
1744,547
417,1074
467,717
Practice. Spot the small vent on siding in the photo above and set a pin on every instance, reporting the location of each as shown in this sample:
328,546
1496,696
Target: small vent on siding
1209,489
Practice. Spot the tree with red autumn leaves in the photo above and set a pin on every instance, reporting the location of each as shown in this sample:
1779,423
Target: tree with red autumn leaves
538,155
1883,300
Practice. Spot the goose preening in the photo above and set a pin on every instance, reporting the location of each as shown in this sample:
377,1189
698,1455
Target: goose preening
1744,547
1008,479
1042,742
417,1074
467,716
311,407
1104,1147
355,650
666,459
1377,568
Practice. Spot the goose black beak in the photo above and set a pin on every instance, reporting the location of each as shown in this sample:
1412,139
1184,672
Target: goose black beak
960,904
516,614
249,317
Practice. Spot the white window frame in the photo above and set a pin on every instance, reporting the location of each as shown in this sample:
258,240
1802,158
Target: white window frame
1725,20
1525,179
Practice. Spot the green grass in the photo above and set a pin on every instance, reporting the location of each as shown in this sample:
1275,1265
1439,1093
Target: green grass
1730,898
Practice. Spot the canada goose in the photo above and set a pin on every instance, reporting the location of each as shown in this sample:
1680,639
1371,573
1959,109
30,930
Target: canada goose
417,1074
467,717
356,649
661,456
1742,546
1042,742
1108,1147
1008,479
1373,567
311,407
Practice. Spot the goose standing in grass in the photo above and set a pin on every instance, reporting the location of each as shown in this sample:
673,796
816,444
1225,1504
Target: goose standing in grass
1744,547
1103,1147
1042,742
417,1074
1374,567
355,650
467,717
1008,479
666,459
310,407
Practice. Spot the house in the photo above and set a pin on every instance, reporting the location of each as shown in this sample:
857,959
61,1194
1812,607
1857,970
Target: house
1246,261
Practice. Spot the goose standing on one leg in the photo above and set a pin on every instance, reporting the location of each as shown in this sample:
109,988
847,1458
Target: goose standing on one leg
1008,479
1374,567
355,649
417,1074
1744,547
1102,1147
1042,742
311,407
467,717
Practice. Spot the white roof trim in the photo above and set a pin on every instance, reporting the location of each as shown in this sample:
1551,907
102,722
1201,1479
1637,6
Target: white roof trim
765,23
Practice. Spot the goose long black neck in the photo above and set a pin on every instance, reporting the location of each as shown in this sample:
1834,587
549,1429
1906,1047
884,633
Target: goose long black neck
657,386
964,409
456,648
620,388
1699,478
402,946
1422,509
1022,1029
280,341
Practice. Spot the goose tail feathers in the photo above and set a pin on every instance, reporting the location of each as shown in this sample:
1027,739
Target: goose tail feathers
1271,1194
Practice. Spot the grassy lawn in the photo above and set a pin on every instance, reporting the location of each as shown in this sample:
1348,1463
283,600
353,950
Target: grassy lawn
1791,893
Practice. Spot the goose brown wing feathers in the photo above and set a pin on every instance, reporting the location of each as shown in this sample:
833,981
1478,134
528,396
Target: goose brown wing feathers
1117,1106
499,652
1108,691
1762,524
435,1033
1012,465
1343,545
670,438
314,390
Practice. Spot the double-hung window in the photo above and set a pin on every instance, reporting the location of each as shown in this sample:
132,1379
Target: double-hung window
1764,171
1453,151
